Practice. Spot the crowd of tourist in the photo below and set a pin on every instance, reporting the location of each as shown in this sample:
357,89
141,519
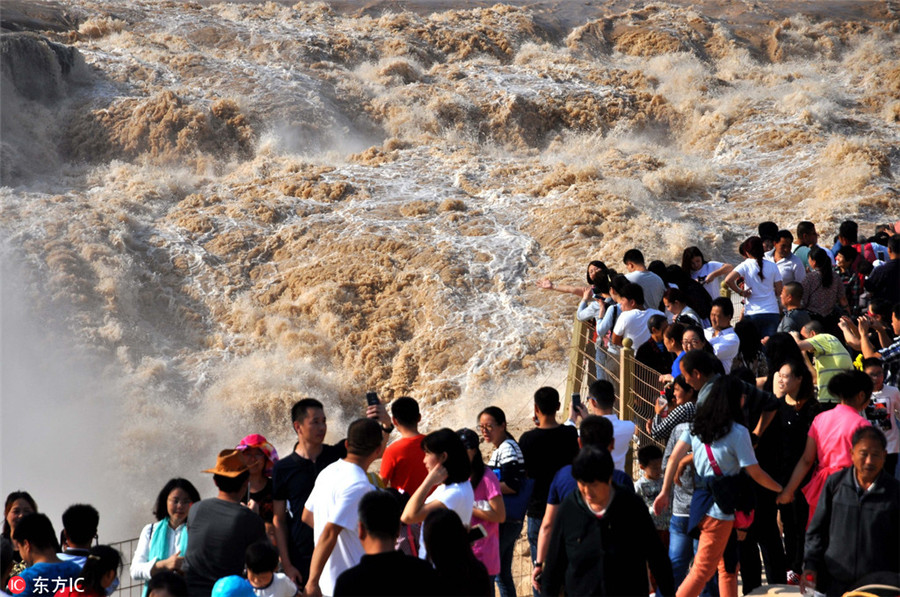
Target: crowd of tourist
777,437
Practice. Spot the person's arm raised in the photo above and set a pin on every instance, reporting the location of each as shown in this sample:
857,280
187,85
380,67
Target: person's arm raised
416,510
546,284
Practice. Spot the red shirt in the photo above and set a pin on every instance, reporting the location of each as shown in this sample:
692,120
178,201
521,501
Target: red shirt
402,465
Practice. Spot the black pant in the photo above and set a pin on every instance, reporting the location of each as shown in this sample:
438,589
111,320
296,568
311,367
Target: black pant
793,519
764,533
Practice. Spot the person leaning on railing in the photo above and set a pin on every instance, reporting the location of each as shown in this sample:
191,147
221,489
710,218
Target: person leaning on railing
660,426
596,271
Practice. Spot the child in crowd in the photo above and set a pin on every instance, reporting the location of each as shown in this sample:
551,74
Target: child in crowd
262,562
650,484
648,487
884,412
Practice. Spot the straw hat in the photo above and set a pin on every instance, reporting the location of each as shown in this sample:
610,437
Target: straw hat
228,464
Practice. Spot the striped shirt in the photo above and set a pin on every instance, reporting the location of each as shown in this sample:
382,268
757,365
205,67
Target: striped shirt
663,426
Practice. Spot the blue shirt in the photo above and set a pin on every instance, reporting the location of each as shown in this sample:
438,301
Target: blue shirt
564,483
732,453
676,370
48,578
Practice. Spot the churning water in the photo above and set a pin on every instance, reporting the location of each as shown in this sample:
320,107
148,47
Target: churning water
210,210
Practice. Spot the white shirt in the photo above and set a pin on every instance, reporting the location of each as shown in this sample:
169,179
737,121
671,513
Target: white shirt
141,563
712,287
281,586
653,286
335,498
725,345
791,267
889,396
633,324
623,432
458,497
762,297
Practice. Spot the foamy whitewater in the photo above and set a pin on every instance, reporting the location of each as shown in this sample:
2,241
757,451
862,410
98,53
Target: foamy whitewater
212,210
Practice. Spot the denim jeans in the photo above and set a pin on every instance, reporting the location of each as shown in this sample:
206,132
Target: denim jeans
766,323
681,551
509,534
534,529
681,548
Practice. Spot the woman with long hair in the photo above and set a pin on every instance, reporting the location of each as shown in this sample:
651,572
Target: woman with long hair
703,271
828,442
507,460
18,504
162,545
489,510
750,351
98,577
596,272
447,543
823,290
721,448
780,348
761,286
797,409
676,303
448,476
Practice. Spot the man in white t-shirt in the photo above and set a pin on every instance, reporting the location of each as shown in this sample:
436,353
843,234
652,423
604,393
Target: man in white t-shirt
653,285
789,265
602,399
331,509
720,334
632,323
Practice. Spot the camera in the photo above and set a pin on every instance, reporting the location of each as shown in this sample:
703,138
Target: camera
878,414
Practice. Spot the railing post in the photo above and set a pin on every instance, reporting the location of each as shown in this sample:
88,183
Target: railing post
725,291
575,378
626,388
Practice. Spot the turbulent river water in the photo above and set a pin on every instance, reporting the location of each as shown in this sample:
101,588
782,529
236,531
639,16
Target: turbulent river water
212,209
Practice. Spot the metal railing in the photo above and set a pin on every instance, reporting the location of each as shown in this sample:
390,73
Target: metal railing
637,385
131,588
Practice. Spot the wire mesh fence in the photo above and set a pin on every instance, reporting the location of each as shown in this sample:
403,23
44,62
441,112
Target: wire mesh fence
645,391
127,587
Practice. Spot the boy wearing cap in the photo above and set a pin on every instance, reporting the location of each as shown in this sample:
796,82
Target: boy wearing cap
220,528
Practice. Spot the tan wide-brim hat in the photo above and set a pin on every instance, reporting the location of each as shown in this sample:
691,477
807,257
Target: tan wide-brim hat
228,464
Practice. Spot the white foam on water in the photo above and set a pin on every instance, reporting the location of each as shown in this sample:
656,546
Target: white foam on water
261,202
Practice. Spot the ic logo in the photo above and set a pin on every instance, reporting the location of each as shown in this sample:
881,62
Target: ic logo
16,585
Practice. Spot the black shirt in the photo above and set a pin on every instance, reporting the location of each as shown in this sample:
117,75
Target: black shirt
654,355
220,532
293,479
546,451
390,573
792,427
